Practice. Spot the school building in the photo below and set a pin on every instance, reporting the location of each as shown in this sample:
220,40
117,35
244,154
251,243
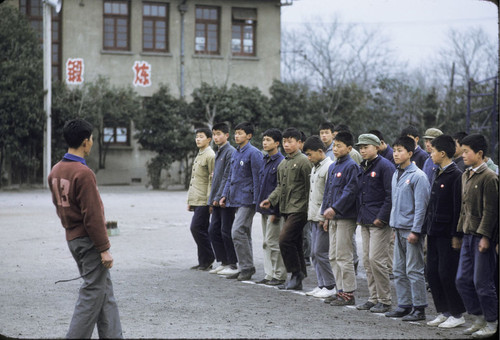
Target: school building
145,43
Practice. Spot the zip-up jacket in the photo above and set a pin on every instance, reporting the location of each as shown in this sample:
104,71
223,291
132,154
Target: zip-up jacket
268,182
221,171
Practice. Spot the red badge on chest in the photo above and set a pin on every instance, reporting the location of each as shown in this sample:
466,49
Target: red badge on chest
373,174
339,174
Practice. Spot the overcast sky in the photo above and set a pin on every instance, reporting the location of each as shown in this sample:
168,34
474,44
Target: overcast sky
416,28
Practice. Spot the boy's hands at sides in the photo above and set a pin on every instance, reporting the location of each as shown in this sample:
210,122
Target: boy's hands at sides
265,204
107,259
222,202
378,223
484,244
412,238
329,213
456,243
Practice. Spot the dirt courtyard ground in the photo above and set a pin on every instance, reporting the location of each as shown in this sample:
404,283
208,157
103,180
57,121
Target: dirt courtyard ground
158,296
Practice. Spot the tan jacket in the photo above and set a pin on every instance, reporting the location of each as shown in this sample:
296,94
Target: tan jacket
319,174
479,213
201,178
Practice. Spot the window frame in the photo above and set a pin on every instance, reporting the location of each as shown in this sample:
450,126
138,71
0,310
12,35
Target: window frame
115,18
156,19
113,142
242,23
206,22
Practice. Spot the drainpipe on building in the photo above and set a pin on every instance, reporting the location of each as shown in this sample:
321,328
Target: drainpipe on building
182,9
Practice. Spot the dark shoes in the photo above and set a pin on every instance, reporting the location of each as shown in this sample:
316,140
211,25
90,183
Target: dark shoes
246,274
202,267
365,306
344,299
417,314
275,282
398,312
380,308
295,282
308,261
262,282
329,299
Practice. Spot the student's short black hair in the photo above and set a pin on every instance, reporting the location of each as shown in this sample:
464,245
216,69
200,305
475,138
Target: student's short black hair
345,137
341,127
444,143
222,127
378,134
275,134
75,131
406,142
410,130
292,132
314,143
303,136
477,143
459,136
245,126
204,130
327,126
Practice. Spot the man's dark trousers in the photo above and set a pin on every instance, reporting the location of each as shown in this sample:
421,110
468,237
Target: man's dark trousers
220,234
291,239
199,230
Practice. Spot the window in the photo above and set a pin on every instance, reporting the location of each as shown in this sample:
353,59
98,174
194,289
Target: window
207,30
116,25
33,10
243,31
155,27
117,135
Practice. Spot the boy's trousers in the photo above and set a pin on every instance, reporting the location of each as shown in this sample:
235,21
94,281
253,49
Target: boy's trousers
442,265
306,242
96,302
475,281
320,244
199,230
375,259
219,233
291,242
242,236
409,270
341,233
274,267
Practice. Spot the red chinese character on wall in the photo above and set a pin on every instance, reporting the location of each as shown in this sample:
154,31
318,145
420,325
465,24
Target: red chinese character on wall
142,73
74,71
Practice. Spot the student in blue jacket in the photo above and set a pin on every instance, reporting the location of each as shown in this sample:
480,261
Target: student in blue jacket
442,217
339,208
410,196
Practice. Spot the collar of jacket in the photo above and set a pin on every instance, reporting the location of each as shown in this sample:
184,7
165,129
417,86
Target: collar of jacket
293,155
273,157
410,168
319,164
343,159
241,149
201,152
481,168
368,164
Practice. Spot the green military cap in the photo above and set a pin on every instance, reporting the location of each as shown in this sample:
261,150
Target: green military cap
432,133
368,139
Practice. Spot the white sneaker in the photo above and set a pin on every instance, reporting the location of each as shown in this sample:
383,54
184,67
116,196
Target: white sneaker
437,321
324,293
314,291
452,322
228,271
487,331
218,269
478,323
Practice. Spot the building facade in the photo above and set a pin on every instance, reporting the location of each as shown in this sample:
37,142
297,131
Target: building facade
145,43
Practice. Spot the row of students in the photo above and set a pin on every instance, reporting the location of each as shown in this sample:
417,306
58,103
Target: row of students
335,197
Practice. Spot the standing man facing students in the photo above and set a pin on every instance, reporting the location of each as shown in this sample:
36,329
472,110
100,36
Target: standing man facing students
79,206
241,191
198,196
222,218
272,222
291,194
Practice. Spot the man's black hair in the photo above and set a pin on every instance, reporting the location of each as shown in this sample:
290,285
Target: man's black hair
459,136
410,130
327,126
378,134
444,143
222,127
345,137
275,134
476,142
245,126
342,127
75,131
303,136
292,133
206,131
406,142
313,143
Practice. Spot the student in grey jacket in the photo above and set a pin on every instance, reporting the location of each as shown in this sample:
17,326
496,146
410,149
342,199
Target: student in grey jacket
410,196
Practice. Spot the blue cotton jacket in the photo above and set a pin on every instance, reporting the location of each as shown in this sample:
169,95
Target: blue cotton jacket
341,188
268,181
374,195
221,171
419,156
429,168
242,186
410,196
388,154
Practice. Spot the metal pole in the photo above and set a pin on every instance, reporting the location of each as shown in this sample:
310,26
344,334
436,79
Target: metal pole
467,116
47,90
182,10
